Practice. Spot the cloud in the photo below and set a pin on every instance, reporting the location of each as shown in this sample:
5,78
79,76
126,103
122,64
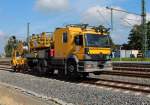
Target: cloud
119,36
131,20
100,15
51,5
2,40
92,16
2,34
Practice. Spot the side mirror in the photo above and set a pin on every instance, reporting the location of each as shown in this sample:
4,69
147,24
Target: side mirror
78,40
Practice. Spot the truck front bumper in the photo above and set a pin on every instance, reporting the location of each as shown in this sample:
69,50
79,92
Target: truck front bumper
94,66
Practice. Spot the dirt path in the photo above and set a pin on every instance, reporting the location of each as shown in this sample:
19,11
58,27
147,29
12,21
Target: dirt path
11,96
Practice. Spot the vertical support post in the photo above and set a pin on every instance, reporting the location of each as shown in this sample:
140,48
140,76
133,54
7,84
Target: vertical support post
28,34
112,19
144,28
120,53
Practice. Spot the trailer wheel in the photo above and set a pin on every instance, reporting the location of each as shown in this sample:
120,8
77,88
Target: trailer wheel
25,68
44,67
14,68
40,69
72,69
35,69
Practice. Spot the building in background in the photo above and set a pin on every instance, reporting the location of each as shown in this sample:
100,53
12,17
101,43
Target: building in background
125,54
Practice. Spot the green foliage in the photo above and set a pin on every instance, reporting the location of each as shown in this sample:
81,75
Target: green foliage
132,59
136,38
148,33
11,44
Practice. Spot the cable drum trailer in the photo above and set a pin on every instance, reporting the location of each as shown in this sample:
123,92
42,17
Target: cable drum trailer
74,50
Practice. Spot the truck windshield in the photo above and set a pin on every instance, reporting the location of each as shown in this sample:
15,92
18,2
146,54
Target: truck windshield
96,40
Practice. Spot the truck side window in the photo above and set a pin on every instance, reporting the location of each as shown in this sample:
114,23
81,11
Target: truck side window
65,38
79,40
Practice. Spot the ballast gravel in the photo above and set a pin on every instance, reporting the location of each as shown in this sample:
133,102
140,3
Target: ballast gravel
75,93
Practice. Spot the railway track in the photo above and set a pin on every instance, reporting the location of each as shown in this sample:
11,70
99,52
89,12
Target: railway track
122,69
127,73
128,86
130,71
4,63
126,66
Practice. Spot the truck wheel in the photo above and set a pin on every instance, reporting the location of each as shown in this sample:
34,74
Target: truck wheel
72,70
97,73
85,75
51,72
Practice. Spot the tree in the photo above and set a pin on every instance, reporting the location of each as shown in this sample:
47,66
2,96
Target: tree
135,39
11,44
126,46
148,33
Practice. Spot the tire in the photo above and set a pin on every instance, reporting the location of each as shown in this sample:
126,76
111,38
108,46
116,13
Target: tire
44,67
97,73
40,69
20,69
72,70
14,68
85,75
24,68
50,71
35,70
17,68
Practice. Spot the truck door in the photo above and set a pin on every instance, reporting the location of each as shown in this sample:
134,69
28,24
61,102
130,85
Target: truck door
79,48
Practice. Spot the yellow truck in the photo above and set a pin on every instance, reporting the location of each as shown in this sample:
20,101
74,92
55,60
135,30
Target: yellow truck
74,50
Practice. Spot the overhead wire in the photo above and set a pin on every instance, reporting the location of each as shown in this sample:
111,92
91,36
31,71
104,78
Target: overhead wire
103,17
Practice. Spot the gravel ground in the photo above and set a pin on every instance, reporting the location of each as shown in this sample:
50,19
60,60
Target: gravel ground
13,96
71,92
5,59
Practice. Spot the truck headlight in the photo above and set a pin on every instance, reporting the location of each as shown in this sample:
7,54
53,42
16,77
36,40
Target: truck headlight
87,66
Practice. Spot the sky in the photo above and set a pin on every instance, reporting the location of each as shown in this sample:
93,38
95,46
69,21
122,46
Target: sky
46,15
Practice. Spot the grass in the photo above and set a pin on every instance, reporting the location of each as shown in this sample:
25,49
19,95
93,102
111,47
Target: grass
132,59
